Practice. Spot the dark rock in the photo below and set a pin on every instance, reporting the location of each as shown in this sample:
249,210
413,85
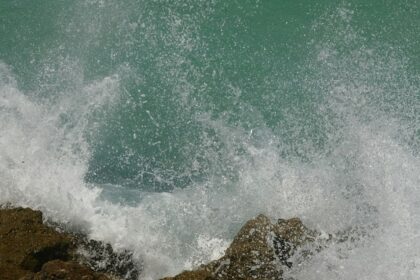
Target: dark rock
102,258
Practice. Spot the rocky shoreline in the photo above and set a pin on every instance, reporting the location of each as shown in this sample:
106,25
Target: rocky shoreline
261,250
32,250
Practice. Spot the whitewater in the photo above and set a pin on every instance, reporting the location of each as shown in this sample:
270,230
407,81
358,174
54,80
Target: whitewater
347,156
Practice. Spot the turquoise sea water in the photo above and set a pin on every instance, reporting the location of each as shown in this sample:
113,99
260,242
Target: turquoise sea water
161,126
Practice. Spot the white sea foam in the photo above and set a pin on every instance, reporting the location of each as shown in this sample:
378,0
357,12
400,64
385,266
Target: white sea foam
369,179
366,176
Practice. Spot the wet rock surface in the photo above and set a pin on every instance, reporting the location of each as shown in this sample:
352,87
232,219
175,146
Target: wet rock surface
61,270
26,244
30,250
260,250
101,257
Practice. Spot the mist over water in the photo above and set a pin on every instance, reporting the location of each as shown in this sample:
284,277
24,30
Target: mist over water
162,127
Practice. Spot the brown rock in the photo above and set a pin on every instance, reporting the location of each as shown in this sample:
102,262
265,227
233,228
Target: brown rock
30,250
12,272
260,250
26,244
199,274
60,270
